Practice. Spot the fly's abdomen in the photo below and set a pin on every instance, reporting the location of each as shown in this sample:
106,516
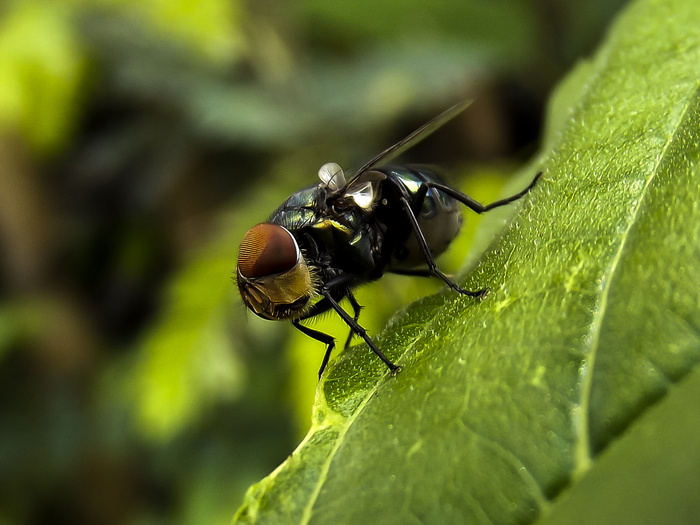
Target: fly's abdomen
438,215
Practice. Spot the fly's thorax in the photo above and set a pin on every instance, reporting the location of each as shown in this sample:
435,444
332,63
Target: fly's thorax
349,242
298,210
273,276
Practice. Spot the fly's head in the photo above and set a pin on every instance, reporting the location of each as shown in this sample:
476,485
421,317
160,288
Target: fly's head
272,275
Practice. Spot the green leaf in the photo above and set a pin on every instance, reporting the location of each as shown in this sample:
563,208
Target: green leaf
42,70
186,362
212,28
650,475
504,405
505,28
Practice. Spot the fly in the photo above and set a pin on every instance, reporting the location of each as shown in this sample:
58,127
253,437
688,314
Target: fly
329,238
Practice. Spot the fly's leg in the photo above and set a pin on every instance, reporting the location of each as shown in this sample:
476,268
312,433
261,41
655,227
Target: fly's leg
323,306
429,259
320,307
326,339
356,308
330,301
413,273
477,206
469,202
357,329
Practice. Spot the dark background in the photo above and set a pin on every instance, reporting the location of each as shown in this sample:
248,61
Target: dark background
138,142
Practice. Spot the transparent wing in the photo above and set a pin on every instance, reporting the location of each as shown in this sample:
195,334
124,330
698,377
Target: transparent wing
412,139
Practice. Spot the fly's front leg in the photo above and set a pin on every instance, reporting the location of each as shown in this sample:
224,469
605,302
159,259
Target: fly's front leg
326,339
320,307
429,259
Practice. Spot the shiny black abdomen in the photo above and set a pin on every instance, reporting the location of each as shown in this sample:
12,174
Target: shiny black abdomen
438,216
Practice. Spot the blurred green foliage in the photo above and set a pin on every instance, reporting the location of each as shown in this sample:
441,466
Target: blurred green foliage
138,142
41,71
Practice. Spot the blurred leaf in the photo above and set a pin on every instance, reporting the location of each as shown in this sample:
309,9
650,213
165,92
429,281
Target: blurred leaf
505,29
191,359
337,98
187,362
187,365
592,318
42,69
212,28
13,326
323,100
650,475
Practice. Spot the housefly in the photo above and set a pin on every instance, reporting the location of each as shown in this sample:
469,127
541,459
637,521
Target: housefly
329,238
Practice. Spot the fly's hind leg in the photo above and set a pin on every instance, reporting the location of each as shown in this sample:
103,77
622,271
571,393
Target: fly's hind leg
428,256
471,204
475,205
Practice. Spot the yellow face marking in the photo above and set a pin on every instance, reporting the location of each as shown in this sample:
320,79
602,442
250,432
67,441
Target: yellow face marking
280,296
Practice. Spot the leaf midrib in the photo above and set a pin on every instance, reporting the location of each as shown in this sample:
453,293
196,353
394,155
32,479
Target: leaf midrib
582,451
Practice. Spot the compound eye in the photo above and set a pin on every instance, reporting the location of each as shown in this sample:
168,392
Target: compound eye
267,249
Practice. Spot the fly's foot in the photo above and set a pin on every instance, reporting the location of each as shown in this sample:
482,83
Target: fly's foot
479,294
482,293
395,369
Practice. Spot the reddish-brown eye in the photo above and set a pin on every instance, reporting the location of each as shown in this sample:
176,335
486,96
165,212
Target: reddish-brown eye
266,249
